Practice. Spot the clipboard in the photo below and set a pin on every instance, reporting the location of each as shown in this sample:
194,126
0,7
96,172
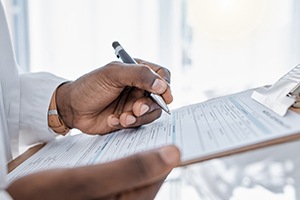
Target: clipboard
214,128
283,94
211,129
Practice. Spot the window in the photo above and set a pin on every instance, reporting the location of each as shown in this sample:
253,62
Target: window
18,21
212,47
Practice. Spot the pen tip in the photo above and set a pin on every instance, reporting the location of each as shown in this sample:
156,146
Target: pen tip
168,111
115,44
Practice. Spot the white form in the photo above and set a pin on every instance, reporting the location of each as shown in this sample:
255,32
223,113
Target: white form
199,130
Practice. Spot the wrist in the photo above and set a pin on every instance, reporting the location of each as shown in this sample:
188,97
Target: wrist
55,122
63,102
58,117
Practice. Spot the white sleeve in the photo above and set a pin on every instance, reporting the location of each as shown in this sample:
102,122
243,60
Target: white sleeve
4,195
36,93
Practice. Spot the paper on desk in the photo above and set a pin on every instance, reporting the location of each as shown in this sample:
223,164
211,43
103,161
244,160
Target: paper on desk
200,131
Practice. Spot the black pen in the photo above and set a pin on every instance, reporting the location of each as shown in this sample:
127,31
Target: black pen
126,58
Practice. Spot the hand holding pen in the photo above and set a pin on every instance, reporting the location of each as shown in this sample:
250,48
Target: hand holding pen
126,58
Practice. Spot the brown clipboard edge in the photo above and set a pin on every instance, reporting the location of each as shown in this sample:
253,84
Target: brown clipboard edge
259,145
20,159
250,147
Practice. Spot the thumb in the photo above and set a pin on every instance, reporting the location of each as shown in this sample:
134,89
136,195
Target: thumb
140,76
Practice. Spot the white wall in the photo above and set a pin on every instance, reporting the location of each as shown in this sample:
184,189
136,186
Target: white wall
71,37
233,44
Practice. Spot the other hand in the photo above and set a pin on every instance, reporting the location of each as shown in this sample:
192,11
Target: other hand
136,177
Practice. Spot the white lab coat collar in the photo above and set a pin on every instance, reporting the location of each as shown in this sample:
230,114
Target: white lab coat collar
9,107
9,79
4,150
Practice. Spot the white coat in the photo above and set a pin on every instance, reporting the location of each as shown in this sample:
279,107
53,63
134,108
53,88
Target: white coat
24,101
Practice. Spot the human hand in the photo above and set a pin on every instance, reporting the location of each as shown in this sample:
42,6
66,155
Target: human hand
135,177
113,97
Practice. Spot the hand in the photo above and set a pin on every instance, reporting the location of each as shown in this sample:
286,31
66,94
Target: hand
113,97
136,177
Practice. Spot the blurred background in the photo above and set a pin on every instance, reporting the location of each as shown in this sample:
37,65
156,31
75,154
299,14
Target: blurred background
212,48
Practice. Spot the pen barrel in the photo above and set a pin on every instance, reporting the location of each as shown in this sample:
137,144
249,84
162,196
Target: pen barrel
125,57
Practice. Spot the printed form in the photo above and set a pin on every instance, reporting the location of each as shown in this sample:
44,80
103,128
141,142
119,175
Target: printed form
199,130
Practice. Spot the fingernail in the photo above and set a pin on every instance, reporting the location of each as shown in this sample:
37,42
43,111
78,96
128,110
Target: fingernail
169,155
114,121
144,109
130,120
159,86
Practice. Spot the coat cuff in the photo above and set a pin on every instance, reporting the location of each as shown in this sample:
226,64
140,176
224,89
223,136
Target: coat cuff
4,195
36,93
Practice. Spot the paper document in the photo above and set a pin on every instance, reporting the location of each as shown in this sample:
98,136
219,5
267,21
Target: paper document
202,131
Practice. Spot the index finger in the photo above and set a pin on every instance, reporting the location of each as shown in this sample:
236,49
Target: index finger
140,76
162,71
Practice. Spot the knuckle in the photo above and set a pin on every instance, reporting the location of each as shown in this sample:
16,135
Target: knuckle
145,76
113,65
167,71
144,69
